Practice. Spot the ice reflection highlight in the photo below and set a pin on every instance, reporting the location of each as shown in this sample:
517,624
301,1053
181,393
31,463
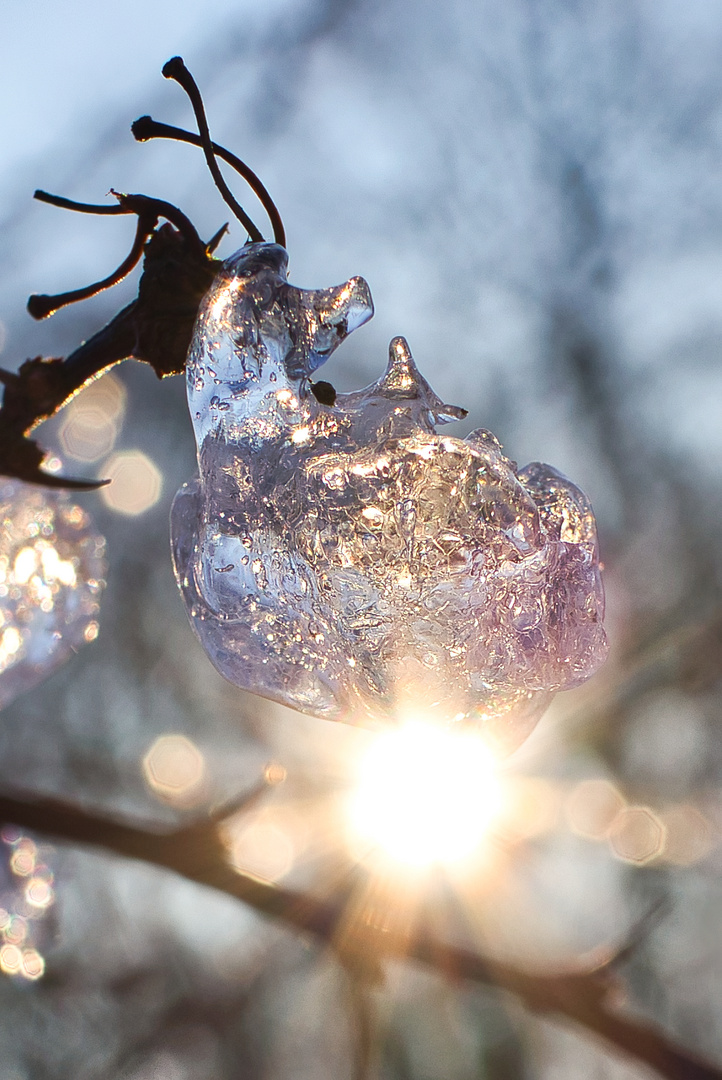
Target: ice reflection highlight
637,835
425,795
592,807
689,835
261,847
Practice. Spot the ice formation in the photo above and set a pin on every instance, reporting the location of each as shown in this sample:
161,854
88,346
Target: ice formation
52,571
348,561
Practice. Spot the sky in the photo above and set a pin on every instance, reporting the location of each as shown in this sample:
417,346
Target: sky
63,64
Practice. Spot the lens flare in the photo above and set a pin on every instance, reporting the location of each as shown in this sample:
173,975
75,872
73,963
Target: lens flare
425,795
136,483
175,769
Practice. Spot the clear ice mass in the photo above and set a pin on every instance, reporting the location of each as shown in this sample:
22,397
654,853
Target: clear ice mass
348,561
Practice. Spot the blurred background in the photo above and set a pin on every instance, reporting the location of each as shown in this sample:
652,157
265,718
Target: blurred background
533,192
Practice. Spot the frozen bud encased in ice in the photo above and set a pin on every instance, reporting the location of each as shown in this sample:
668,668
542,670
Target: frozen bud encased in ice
347,560
52,570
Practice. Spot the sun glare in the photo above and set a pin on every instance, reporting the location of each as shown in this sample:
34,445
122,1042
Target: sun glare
425,795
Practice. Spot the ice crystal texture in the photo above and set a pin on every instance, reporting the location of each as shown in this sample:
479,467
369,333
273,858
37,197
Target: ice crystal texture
348,561
51,575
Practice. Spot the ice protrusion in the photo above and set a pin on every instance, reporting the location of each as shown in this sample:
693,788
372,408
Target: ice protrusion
400,402
404,380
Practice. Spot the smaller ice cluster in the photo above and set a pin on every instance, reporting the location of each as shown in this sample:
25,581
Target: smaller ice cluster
347,560
52,570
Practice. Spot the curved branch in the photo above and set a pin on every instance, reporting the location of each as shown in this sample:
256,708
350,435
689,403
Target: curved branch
80,207
197,852
145,128
147,210
40,305
175,69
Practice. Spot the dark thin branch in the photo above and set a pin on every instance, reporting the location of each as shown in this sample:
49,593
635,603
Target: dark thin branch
175,69
197,852
40,306
145,205
218,814
145,128
362,1009
148,211
216,239
81,208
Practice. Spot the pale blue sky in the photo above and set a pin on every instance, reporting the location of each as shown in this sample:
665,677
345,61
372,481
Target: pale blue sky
69,46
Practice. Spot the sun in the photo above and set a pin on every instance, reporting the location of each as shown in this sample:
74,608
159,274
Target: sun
424,795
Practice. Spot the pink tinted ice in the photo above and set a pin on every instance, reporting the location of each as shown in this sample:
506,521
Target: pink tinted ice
348,561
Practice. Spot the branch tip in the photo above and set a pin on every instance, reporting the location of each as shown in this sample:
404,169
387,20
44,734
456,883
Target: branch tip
216,239
141,128
175,69
52,480
41,306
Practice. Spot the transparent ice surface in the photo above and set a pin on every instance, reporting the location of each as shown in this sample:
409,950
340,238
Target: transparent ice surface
347,560
52,570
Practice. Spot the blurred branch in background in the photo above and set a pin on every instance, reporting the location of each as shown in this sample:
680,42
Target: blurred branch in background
198,852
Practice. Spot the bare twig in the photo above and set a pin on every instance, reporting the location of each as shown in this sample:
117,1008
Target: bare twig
362,1010
145,128
175,69
155,328
197,852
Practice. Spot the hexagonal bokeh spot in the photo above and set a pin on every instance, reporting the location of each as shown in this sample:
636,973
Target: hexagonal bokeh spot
135,483
174,769
637,835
